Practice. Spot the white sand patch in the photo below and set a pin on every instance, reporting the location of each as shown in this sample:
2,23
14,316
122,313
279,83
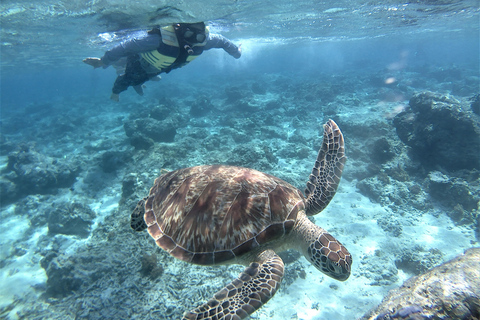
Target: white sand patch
440,233
105,206
20,272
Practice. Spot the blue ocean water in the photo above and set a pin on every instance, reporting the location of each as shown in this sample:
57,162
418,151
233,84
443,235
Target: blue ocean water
401,80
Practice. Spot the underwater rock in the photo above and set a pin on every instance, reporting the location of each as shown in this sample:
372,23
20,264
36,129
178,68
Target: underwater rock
62,279
129,188
416,260
273,105
379,269
5,144
370,187
67,273
160,112
441,131
389,225
449,291
475,104
35,173
386,189
477,227
294,151
8,191
32,206
158,124
260,158
380,188
456,194
150,266
140,142
381,151
78,270
399,173
245,106
450,74
71,219
246,124
159,131
258,88
112,161
201,107
212,143
199,134
272,132
236,93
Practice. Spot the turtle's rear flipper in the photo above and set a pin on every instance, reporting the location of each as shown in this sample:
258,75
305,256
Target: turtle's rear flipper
253,288
325,177
137,221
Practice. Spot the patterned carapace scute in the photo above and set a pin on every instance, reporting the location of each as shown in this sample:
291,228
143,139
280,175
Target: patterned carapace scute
210,214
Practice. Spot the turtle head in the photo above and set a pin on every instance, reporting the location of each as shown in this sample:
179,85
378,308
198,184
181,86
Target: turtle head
137,221
329,256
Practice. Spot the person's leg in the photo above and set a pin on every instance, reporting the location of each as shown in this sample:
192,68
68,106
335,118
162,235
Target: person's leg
121,84
134,76
138,89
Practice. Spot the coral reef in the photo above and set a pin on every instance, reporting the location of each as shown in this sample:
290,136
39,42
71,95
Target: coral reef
449,291
441,130
201,107
111,161
236,93
475,104
150,267
156,124
30,172
416,260
457,194
62,279
159,131
71,219
379,269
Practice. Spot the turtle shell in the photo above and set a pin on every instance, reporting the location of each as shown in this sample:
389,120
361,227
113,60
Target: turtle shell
211,214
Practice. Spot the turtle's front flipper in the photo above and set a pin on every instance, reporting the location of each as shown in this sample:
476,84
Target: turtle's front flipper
254,287
325,177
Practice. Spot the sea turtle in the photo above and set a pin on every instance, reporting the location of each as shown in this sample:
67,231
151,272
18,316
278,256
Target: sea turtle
218,214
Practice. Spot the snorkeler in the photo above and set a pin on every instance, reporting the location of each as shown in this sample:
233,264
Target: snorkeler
160,50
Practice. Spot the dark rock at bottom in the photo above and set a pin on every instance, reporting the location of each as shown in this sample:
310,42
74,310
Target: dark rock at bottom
449,291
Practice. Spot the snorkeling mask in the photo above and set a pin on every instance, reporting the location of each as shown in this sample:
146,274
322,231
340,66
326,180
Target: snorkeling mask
193,32
194,36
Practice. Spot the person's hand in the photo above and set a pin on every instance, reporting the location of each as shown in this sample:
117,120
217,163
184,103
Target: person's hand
94,62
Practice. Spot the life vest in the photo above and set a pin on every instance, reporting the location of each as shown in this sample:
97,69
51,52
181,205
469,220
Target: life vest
164,57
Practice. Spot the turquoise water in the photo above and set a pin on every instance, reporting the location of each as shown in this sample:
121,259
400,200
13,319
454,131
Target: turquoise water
72,171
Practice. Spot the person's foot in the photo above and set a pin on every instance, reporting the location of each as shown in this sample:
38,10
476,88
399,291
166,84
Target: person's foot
138,89
115,97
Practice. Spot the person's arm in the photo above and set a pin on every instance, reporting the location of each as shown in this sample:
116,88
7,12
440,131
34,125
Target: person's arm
219,41
144,43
